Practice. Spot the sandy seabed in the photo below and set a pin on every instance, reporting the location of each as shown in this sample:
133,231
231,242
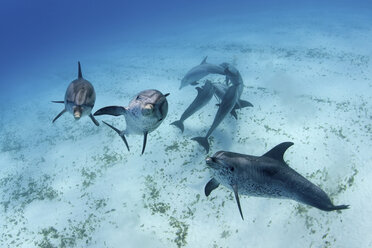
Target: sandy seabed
72,184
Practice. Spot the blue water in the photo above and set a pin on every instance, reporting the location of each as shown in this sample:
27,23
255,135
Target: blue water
306,68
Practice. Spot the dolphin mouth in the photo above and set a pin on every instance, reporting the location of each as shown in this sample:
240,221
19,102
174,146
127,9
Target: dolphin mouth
77,115
211,162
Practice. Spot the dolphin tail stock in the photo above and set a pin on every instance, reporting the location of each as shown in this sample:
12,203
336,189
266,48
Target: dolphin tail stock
111,110
59,115
179,124
203,141
94,120
121,134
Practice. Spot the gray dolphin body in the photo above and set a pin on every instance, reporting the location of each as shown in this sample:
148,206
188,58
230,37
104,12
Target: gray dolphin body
226,106
205,94
228,102
265,176
220,91
79,99
143,115
200,71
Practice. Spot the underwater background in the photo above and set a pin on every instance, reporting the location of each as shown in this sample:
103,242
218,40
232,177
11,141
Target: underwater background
306,68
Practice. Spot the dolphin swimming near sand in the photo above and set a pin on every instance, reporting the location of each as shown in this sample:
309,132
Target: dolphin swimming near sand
265,176
220,91
200,71
205,94
226,106
79,98
143,115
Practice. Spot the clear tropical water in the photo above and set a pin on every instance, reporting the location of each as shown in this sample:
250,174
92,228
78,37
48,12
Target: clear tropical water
306,69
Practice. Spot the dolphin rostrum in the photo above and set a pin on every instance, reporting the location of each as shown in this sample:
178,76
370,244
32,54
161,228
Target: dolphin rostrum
265,176
79,98
143,115
198,72
205,94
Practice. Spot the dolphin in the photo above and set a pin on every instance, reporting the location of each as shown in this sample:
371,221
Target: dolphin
144,114
79,99
265,176
226,106
198,72
219,92
205,94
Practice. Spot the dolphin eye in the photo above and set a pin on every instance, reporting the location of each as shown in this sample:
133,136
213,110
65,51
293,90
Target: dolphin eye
231,169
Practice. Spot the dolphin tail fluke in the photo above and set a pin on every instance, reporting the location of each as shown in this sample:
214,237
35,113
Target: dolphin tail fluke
94,120
203,141
80,75
110,110
121,134
339,207
59,115
179,124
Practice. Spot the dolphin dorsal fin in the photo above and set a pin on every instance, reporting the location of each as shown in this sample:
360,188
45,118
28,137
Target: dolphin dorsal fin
80,75
278,151
204,60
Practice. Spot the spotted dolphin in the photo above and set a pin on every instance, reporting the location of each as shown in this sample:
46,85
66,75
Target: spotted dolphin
144,114
205,94
265,176
79,98
200,71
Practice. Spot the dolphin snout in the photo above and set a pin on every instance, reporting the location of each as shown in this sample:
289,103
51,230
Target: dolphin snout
77,114
211,161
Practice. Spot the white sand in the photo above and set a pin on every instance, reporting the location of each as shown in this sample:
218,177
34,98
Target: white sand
72,184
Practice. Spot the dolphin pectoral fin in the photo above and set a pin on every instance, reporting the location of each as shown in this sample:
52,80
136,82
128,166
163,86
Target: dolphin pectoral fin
203,141
278,151
59,115
144,141
204,60
121,134
243,104
233,113
235,188
58,101
210,186
194,83
111,110
167,94
94,120
339,207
